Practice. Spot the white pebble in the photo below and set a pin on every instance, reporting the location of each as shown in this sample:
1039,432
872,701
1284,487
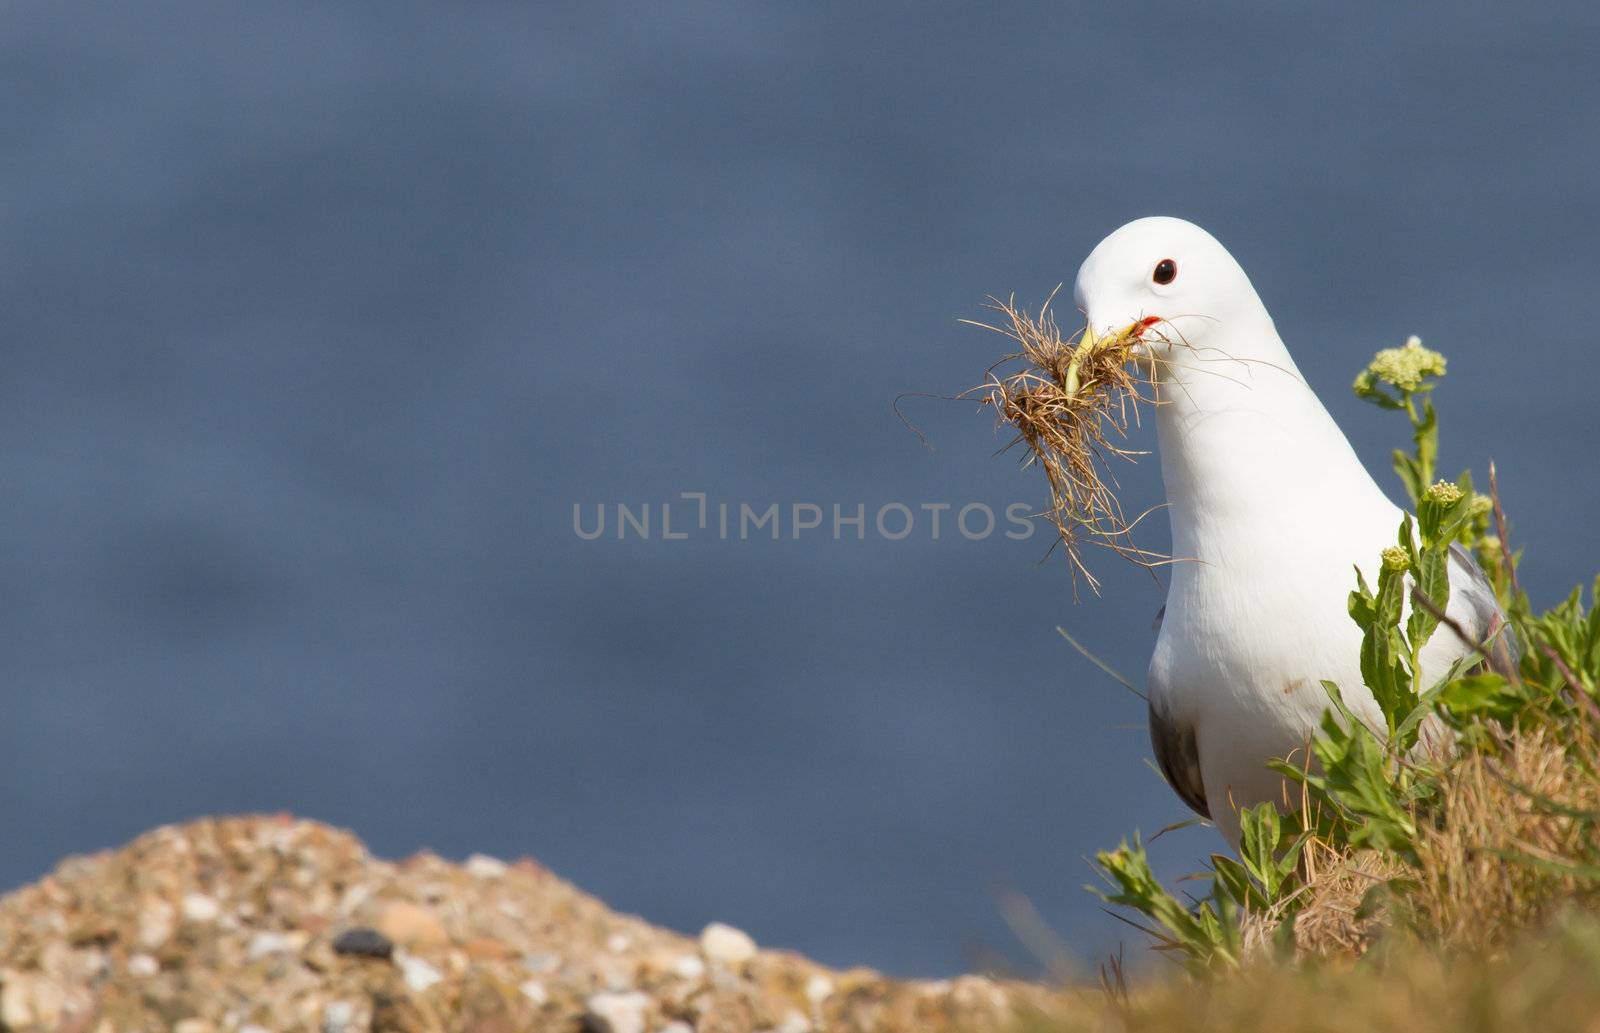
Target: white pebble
30,999
723,944
266,944
338,1016
157,922
419,975
16,1010
794,1022
689,966
619,1012
142,966
534,991
352,898
614,973
818,989
616,943
197,907
482,866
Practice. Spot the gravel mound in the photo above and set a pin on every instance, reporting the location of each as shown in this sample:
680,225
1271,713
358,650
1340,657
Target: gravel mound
267,924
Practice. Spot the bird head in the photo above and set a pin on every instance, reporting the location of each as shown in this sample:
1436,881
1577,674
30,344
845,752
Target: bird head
1171,285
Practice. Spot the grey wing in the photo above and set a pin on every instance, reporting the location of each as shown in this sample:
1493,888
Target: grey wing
1470,585
1179,758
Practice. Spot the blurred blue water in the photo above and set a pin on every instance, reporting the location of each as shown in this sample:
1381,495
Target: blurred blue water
318,322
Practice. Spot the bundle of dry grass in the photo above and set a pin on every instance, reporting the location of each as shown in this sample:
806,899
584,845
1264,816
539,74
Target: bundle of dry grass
1071,403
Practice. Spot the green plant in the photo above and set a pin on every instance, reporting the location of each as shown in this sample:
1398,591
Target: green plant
1370,792
1404,378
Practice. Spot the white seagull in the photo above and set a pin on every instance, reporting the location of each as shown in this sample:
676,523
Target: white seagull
1270,511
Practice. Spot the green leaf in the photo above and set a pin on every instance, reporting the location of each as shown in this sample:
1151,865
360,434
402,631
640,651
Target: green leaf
1485,695
1207,936
1433,581
1258,846
1284,945
1410,474
1234,879
1356,779
1408,730
1385,663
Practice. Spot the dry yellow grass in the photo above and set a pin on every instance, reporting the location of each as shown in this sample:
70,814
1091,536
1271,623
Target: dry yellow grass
1517,826
1071,404
1513,826
1334,922
1549,983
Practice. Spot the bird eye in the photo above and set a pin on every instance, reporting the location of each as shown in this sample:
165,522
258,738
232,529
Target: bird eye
1166,271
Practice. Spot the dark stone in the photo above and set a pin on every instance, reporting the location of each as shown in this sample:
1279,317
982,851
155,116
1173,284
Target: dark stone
362,942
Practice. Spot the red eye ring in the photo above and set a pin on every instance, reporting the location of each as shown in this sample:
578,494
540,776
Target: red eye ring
1166,272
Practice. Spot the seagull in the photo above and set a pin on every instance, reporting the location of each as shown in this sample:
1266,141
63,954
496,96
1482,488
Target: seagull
1271,510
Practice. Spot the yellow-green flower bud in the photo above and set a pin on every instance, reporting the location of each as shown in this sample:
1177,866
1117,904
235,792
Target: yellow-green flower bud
1444,493
1395,558
1404,368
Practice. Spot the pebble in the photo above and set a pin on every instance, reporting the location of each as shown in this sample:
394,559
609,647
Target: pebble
410,925
676,1026
362,942
976,991
419,975
534,991
725,945
617,1012
617,943
266,944
353,897
338,1017
541,962
614,973
794,1022
29,999
197,907
142,966
818,989
689,966
157,922
482,866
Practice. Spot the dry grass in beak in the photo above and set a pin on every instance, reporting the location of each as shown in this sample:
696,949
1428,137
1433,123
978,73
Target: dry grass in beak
1071,403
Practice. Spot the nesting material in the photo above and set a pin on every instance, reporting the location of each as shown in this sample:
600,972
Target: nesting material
1071,403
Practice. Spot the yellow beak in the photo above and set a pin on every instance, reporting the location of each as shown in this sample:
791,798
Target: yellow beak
1090,340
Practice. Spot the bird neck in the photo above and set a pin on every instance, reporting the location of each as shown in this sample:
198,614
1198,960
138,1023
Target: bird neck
1250,455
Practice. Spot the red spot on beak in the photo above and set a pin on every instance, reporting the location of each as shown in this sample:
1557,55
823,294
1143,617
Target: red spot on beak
1147,322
